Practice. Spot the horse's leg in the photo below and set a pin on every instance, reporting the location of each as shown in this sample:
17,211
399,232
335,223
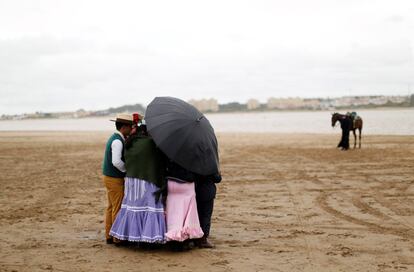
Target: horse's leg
360,131
354,138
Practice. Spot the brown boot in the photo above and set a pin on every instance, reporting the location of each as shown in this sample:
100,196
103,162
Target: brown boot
205,243
119,243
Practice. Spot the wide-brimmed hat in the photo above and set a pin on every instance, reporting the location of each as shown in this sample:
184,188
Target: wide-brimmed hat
124,118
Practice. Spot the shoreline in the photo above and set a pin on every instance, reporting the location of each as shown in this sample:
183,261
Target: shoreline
376,122
337,133
345,109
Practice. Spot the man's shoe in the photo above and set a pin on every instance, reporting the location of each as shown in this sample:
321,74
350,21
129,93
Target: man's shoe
120,243
205,243
109,241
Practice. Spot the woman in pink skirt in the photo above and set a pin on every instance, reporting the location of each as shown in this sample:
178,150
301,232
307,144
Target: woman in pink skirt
181,206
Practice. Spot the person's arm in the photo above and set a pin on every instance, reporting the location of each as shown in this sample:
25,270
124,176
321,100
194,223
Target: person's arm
216,178
117,147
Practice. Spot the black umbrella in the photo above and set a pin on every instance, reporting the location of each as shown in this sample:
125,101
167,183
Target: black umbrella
184,134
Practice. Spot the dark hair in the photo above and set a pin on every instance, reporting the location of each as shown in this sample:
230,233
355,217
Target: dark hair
119,125
130,140
140,132
143,129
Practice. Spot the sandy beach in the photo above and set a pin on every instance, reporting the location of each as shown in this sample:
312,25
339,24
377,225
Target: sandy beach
286,203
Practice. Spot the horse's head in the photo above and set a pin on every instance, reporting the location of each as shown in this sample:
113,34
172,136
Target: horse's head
335,117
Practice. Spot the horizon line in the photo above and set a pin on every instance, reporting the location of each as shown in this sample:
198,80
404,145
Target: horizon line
219,103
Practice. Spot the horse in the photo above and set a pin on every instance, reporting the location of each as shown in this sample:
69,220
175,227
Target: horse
357,125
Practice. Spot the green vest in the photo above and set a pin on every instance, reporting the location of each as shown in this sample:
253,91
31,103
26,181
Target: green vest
108,168
145,161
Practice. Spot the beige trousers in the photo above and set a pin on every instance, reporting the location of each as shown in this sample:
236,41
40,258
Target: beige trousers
115,192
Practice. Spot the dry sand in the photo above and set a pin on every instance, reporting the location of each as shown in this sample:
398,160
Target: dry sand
287,203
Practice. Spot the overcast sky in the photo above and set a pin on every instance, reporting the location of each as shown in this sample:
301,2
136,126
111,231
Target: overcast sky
65,55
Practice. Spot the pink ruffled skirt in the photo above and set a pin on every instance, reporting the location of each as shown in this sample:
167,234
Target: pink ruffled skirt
181,209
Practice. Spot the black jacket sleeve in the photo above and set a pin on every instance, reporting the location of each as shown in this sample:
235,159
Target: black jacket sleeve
176,171
215,178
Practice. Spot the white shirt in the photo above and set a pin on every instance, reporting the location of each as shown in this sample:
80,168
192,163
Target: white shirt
117,149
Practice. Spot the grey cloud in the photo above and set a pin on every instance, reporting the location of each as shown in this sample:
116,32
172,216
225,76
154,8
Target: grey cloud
234,52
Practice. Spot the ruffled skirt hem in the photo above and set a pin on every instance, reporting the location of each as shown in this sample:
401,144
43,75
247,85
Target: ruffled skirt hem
184,234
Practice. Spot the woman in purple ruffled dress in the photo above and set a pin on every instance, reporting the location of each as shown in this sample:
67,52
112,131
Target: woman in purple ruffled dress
142,218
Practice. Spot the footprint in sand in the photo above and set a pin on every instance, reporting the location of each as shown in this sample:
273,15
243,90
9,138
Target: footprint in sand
223,262
341,250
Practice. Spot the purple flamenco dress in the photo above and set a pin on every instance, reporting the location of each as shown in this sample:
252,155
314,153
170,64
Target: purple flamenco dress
141,218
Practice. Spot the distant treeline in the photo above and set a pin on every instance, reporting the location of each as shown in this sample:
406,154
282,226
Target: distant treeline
126,108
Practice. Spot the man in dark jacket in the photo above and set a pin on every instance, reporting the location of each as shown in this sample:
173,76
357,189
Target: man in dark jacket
346,124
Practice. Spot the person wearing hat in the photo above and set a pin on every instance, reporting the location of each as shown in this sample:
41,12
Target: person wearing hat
113,169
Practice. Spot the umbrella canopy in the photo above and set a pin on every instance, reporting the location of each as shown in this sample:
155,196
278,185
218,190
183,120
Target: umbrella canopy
184,134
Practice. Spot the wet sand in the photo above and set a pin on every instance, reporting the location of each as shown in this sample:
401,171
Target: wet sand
286,203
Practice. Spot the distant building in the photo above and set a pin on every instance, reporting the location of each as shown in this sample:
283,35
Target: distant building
285,103
205,105
312,104
342,101
81,113
397,99
327,104
253,104
378,100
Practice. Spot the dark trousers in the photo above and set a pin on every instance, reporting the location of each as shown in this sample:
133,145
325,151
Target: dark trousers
205,194
344,143
205,211
346,125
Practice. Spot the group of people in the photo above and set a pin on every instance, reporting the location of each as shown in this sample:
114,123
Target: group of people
152,199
